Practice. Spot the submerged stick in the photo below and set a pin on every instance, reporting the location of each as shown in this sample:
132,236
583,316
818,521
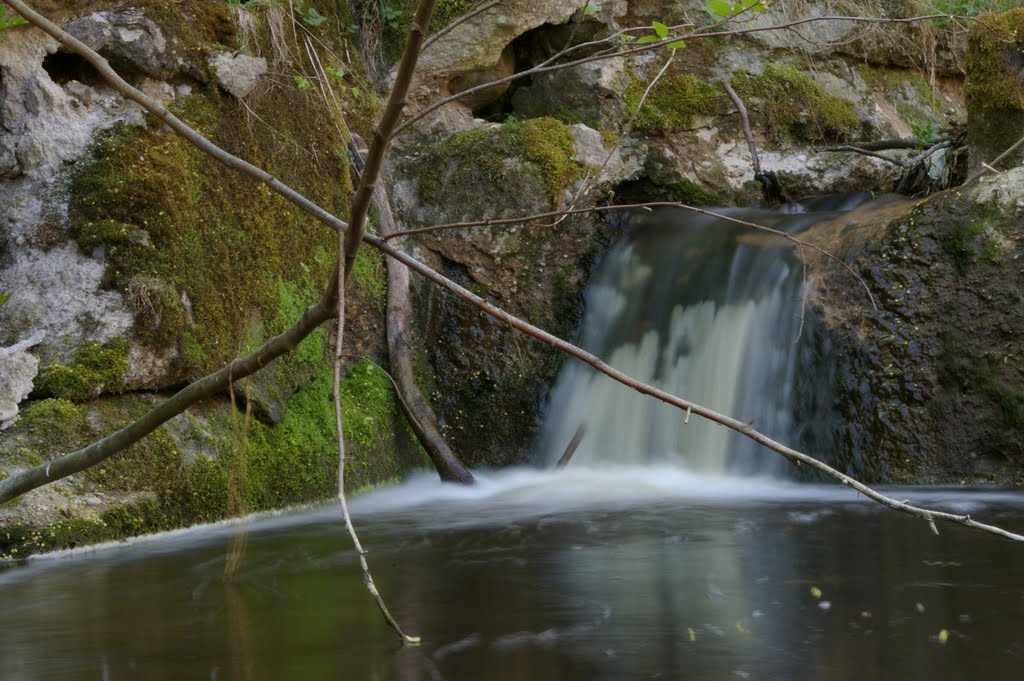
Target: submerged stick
573,444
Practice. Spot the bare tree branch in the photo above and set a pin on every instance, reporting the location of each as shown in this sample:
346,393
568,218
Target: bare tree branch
459,21
339,427
617,51
205,387
745,119
420,416
794,456
645,206
384,131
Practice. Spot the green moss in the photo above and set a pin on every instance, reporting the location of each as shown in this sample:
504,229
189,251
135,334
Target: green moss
689,192
370,276
963,241
550,144
94,368
474,157
197,247
57,421
794,107
994,42
673,102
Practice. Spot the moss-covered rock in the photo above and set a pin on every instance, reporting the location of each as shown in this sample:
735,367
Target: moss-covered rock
995,85
928,386
673,103
793,107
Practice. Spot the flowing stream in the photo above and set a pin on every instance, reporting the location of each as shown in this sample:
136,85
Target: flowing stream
665,550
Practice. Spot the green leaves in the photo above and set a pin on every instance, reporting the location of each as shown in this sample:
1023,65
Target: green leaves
313,18
302,83
720,10
6,23
661,32
590,8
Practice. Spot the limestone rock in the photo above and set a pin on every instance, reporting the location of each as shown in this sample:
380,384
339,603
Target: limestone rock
17,371
238,74
128,37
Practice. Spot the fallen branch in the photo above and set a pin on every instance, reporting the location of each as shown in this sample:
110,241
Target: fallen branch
745,119
417,410
209,385
577,437
849,148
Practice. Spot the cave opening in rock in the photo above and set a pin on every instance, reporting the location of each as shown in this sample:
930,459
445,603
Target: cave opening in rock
522,54
64,67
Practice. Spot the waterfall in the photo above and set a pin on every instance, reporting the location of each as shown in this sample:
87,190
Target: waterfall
702,308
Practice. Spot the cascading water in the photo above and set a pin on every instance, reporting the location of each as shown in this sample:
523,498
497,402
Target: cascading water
705,309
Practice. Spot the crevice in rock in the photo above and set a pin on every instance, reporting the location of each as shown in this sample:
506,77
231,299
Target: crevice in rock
64,67
525,52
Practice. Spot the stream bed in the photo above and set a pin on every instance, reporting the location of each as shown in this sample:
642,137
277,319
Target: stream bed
616,573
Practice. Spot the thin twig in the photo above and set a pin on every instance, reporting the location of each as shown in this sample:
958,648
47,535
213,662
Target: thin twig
640,206
866,152
577,437
745,119
339,426
458,22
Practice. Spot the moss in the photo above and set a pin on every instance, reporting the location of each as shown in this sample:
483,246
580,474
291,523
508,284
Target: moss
994,42
962,242
194,257
370,276
550,144
673,102
94,368
57,421
467,159
689,192
794,107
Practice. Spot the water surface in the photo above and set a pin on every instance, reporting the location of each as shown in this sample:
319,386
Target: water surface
622,573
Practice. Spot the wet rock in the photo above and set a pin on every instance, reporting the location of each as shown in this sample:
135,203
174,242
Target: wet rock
129,39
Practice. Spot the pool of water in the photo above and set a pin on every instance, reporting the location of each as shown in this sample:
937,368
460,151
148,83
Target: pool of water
626,573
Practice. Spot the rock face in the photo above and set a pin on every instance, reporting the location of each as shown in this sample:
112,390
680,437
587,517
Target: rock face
928,384
135,264
239,74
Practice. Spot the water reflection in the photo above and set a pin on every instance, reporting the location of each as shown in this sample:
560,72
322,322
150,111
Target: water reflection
529,577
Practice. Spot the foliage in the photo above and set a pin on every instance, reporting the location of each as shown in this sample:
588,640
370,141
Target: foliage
721,10
8,22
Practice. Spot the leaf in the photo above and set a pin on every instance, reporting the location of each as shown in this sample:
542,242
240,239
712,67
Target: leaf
591,8
719,9
313,18
660,29
943,636
677,45
4,297
816,592
647,39
302,83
